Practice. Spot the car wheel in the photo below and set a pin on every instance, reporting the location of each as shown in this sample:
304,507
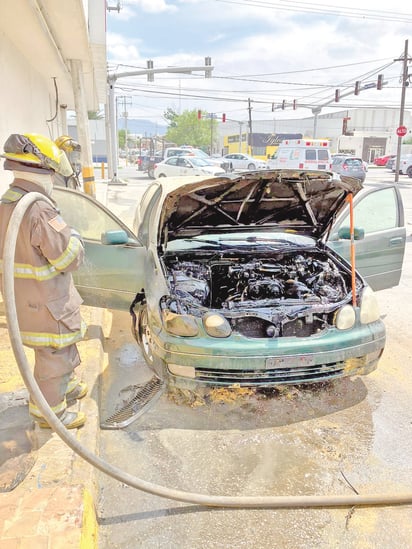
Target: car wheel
409,171
251,167
162,175
145,337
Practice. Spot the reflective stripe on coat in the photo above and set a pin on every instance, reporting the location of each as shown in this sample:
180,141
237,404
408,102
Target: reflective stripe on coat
47,302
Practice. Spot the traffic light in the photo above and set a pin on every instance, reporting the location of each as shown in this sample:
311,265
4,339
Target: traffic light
379,84
357,87
337,96
345,125
199,114
223,117
150,75
208,63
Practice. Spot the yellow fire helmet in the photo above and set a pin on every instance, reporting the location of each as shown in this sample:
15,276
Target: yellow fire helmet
67,144
33,149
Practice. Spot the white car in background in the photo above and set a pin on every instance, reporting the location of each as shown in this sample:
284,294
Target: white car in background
241,161
405,165
186,165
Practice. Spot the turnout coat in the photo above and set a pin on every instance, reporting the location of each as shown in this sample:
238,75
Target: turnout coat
47,250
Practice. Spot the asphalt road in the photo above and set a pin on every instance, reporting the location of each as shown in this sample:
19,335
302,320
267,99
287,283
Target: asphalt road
346,436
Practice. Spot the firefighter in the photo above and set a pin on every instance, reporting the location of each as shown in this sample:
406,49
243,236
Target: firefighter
47,250
72,149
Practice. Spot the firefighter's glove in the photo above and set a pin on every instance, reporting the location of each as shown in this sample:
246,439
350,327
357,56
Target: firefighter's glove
77,235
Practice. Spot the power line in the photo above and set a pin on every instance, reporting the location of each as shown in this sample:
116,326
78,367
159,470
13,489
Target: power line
357,13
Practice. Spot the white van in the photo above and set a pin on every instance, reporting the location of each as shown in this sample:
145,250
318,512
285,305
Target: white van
302,154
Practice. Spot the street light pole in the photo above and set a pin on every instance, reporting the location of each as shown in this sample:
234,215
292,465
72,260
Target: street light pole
316,110
149,72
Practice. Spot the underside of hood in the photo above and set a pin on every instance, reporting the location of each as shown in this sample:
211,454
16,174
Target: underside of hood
302,202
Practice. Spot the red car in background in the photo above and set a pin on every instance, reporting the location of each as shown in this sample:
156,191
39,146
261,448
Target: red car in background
383,160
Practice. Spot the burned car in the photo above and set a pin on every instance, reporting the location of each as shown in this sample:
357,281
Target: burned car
242,279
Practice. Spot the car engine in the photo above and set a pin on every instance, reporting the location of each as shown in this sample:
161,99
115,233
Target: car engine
281,294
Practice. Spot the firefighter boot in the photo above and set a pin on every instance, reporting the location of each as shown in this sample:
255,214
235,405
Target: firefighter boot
75,391
71,420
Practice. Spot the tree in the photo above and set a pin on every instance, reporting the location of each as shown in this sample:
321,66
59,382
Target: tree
188,129
121,136
95,115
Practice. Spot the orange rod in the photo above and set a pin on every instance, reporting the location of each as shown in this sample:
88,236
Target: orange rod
352,247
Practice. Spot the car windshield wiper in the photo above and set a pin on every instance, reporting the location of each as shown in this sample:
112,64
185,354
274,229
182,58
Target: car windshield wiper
273,242
203,241
216,243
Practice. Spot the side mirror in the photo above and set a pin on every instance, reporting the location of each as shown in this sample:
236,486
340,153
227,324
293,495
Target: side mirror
115,237
358,233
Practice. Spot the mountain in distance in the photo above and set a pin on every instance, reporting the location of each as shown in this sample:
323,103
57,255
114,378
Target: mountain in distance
143,127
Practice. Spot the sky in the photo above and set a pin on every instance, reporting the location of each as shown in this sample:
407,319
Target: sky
263,52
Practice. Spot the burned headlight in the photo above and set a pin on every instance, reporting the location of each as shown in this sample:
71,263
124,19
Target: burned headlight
216,325
369,309
180,325
345,318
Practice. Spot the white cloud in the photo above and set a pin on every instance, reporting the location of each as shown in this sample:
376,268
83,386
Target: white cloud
245,40
121,49
153,6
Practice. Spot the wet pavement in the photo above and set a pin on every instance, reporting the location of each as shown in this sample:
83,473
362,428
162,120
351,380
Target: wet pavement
343,437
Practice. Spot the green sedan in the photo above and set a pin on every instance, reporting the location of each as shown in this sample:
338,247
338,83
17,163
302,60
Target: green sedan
252,279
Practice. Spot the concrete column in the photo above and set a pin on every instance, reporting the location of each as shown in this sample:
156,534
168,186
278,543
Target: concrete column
63,119
83,130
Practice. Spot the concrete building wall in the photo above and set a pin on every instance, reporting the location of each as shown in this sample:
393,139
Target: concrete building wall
39,39
24,96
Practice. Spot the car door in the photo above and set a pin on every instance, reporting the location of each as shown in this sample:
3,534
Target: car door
234,159
113,270
185,167
379,255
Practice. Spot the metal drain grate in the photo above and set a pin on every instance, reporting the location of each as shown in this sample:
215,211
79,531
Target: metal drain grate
146,395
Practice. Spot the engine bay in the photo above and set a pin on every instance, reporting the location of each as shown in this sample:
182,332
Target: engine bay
261,294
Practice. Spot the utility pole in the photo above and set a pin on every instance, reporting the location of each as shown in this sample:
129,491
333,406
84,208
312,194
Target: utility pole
250,126
212,117
126,103
405,83
240,136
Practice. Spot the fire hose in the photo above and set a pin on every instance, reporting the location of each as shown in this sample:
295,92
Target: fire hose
272,502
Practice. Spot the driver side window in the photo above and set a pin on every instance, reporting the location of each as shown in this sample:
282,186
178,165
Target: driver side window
376,212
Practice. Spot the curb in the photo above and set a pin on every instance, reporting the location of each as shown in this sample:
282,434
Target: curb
53,507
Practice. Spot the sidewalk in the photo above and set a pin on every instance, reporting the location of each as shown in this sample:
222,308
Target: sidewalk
47,492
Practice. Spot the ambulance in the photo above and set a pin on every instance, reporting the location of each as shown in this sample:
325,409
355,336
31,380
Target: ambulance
302,154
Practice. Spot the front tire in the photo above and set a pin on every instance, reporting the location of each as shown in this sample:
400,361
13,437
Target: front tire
409,171
145,338
251,167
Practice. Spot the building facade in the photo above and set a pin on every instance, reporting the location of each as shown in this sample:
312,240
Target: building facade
364,132
48,50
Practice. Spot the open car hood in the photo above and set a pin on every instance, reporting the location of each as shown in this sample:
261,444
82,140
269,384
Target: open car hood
302,202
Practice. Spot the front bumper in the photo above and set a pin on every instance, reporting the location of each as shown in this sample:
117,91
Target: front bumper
262,362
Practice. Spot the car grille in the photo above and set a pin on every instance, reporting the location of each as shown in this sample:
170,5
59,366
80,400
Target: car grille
249,378
255,327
